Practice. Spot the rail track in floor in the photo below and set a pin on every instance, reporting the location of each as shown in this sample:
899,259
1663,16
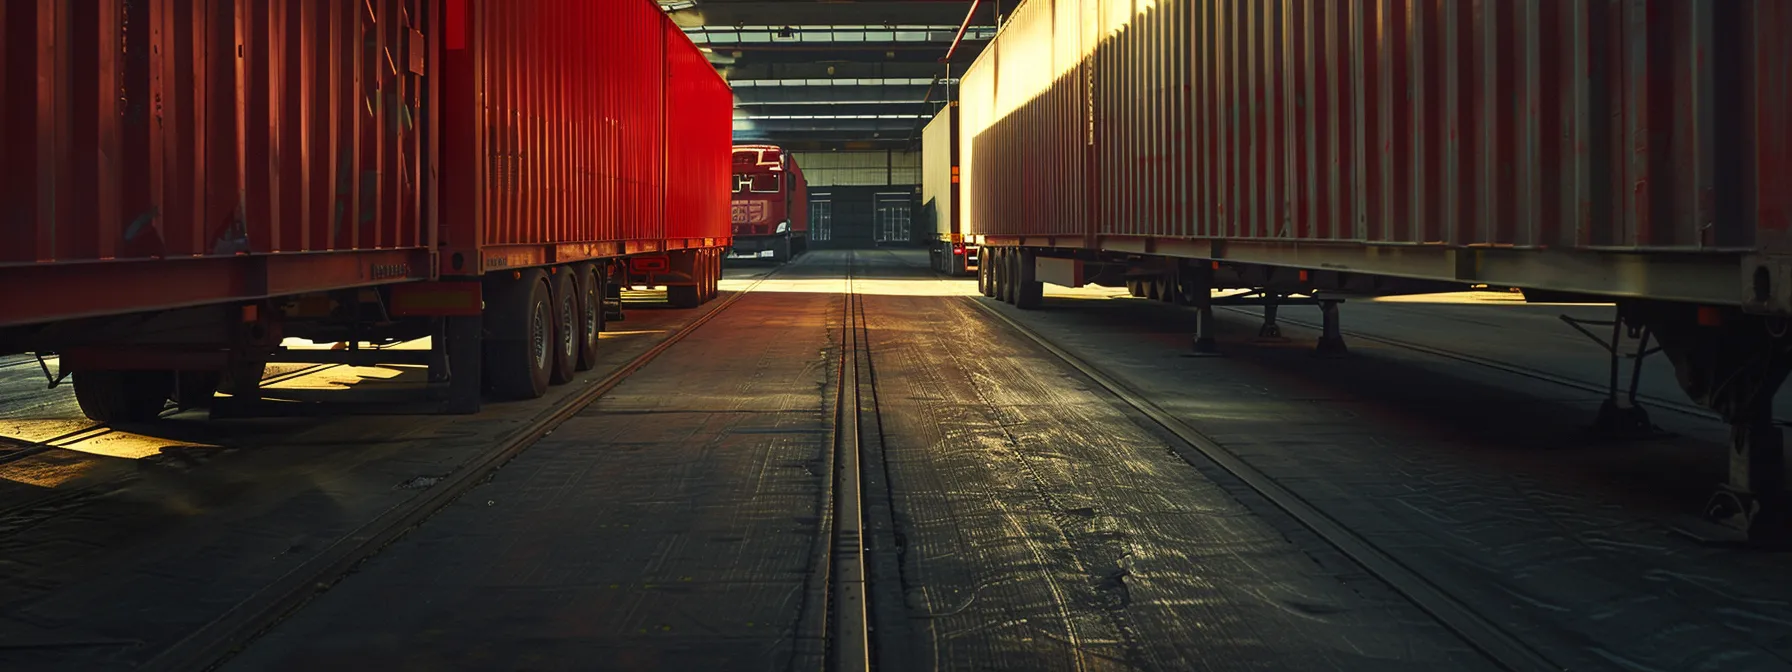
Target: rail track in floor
215,643
843,580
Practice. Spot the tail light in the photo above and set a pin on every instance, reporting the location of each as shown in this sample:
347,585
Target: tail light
958,248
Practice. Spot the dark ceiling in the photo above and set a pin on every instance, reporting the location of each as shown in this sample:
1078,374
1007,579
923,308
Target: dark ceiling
837,74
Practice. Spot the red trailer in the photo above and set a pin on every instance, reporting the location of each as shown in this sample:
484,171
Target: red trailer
771,202
1637,152
188,187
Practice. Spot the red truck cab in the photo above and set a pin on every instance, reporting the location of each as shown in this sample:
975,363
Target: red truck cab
770,203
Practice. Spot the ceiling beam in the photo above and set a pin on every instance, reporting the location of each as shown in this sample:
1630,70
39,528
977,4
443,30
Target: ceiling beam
759,126
813,70
746,54
770,95
914,106
707,13
826,140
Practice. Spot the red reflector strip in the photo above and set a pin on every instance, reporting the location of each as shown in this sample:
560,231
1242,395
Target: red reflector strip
1710,317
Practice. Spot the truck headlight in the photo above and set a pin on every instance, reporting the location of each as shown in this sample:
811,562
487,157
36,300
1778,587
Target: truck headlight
784,226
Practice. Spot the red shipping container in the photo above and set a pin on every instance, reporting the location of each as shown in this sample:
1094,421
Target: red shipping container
168,154
164,154
1624,148
554,142
699,122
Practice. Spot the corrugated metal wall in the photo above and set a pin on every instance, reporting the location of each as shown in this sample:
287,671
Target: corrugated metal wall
173,129
939,179
699,144
570,131
1591,124
860,168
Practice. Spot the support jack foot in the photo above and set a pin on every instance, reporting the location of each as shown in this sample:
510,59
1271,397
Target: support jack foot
1332,347
1734,519
1270,331
1331,337
1205,344
1205,347
1624,422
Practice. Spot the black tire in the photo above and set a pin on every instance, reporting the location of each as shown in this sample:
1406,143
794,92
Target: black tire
704,275
998,276
985,283
567,326
591,312
123,396
196,389
1011,269
781,250
241,376
519,352
714,286
1029,293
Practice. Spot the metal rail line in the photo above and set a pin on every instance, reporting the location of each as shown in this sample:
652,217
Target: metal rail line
1492,641
212,645
1506,367
847,636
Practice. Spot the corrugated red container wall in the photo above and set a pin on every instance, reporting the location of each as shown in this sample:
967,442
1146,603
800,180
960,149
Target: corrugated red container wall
699,119
1591,124
169,129
560,106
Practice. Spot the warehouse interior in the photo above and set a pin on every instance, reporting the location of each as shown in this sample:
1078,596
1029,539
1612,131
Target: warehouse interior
846,86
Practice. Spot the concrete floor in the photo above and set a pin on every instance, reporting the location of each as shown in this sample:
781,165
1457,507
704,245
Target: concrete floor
1032,521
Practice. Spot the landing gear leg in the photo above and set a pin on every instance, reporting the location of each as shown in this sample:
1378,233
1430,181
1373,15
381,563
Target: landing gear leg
1194,286
1331,337
461,362
1754,502
1619,415
1734,363
1270,330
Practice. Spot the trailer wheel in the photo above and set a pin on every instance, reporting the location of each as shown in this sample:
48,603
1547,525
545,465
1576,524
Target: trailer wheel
712,284
703,274
123,396
781,250
683,296
519,354
568,326
591,312
1029,293
196,389
1009,276
984,270
998,274
242,376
